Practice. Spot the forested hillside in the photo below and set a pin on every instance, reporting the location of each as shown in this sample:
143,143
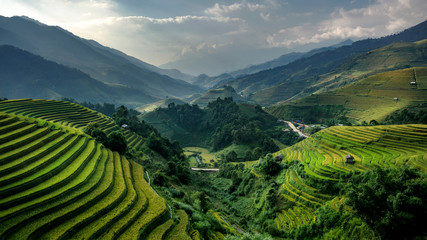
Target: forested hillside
219,125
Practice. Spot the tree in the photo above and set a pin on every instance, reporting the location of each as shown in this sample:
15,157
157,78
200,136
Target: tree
117,142
248,155
391,201
373,122
231,156
269,166
257,153
93,130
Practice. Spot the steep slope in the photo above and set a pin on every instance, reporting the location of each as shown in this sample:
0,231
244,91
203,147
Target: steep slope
285,59
323,157
56,184
323,154
372,98
70,115
56,44
305,72
210,82
397,55
173,73
26,75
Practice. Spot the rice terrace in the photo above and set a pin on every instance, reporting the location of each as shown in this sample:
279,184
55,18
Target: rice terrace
254,120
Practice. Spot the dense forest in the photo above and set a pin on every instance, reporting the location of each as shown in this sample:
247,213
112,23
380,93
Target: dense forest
225,122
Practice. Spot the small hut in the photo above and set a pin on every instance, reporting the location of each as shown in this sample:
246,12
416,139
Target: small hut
125,126
349,159
279,157
413,83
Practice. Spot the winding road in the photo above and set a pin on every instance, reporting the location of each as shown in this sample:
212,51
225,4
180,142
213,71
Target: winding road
301,134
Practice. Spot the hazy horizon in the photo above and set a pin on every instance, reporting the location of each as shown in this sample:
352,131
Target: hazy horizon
215,37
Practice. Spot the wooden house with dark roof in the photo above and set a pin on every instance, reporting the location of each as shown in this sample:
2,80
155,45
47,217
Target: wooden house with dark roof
349,159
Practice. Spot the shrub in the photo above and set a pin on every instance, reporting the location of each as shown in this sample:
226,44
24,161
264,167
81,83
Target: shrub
117,142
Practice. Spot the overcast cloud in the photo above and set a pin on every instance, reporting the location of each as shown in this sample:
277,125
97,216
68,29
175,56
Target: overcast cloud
213,37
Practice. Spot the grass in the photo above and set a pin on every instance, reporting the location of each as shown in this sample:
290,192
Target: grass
161,231
203,153
57,160
179,231
60,114
109,218
115,196
59,179
370,98
140,207
156,207
323,153
68,186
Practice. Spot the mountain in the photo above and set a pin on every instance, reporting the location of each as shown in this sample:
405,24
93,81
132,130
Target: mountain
372,98
103,64
213,94
303,73
173,73
206,81
25,75
397,55
285,59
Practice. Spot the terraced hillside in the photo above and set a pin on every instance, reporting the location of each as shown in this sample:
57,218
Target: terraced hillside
323,157
323,154
56,184
70,115
374,97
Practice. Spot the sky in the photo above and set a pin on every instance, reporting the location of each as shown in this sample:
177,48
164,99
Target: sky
214,36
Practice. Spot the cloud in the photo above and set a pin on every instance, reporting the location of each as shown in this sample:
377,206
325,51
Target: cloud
384,17
236,32
221,10
265,17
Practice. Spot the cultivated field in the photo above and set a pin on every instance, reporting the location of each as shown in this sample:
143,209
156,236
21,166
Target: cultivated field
60,184
69,115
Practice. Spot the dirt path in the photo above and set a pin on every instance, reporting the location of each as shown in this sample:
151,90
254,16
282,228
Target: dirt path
301,134
205,169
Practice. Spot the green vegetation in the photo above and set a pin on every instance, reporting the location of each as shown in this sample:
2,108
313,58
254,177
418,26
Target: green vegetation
68,171
329,70
390,201
159,104
87,191
372,98
214,94
221,125
303,191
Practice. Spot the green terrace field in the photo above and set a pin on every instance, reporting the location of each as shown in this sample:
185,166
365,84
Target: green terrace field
398,55
385,146
323,157
70,115
372,98
57,184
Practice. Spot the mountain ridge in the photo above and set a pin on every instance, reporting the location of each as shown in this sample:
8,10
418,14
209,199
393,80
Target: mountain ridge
56,44
304,72
26,75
